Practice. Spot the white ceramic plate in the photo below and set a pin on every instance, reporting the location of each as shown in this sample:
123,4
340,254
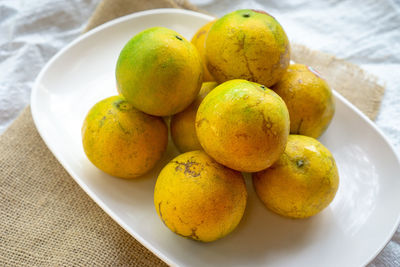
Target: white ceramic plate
350,232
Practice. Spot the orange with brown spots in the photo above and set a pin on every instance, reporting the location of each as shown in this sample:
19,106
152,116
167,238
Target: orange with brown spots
243,125
309,99
198,198
247,44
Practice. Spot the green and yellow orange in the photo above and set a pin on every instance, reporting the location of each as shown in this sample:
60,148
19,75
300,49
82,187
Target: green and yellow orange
121,140
247,44
159,72
243,125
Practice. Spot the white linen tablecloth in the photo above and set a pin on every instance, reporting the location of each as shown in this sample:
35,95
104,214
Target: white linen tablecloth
366,33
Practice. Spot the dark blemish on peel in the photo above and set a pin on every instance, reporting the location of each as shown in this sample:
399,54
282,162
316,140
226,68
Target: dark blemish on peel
125,131
241,44
199,122
122,105
193,234
267,125
178,37
263,87
101,122
245,136
246,15
201,33
300,163
187,168
182,221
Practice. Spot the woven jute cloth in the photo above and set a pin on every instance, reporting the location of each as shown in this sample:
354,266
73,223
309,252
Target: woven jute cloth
45,217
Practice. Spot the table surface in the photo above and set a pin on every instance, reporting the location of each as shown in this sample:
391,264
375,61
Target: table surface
363,32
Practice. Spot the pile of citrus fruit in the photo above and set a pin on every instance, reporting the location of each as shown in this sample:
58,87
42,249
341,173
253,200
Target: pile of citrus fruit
235,104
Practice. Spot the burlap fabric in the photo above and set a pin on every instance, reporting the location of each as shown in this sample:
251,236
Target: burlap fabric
47,220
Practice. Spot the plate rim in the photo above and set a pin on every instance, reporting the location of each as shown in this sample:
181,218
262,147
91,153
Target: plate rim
97,200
